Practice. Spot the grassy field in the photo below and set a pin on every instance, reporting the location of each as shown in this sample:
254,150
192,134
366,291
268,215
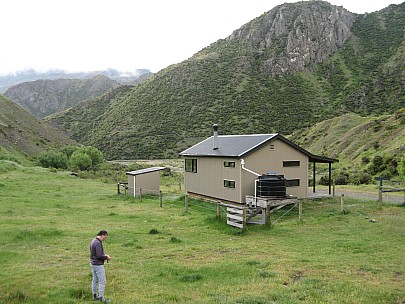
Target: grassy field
167,255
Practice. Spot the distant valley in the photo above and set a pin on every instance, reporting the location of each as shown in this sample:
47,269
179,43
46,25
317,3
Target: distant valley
9,80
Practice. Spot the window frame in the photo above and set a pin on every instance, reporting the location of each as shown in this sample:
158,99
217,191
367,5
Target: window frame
229,164
228,183
192,168
291,163
291,182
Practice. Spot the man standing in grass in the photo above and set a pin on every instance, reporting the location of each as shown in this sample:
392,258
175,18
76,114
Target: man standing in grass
97,258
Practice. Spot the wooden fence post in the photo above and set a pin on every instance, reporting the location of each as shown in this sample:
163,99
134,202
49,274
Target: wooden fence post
118,188
267,216
218,212
161,198
300,211
342,203
186,203
380,197
244,218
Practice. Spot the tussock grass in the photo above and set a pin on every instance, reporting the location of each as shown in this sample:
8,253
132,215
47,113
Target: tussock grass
37,235
173,239
167,255
153,231
15,297
189,278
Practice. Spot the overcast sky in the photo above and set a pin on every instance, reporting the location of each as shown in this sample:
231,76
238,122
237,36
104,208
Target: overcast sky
83,35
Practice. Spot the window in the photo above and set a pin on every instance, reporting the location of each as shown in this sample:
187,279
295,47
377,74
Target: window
191,165
229,183
292,182
229,164
291,163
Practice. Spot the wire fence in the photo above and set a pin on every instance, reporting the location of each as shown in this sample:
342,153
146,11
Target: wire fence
341,203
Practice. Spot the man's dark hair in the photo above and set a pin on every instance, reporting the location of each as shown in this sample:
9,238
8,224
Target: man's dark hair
102,232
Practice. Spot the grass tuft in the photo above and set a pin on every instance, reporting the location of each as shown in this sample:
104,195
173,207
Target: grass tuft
28,234
15,297
175,240
189,278
78,293
267,274
252,300
131,243
153,231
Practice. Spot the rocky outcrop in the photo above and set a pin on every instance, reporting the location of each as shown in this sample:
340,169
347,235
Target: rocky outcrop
294,36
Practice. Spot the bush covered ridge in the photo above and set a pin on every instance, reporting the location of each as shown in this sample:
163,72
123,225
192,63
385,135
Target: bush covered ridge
365,146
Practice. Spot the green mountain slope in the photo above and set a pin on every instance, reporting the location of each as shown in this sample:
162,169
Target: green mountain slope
22,134
288,69
356,141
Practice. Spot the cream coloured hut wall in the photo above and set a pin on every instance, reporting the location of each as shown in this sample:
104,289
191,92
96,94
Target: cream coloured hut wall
211,173
148,182
270,158
210,176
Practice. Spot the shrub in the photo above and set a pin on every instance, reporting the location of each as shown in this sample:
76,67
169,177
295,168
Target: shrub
365,160
5,155
80,161
365,178
401,168
49,159
95,154
324,181
69,150
341,180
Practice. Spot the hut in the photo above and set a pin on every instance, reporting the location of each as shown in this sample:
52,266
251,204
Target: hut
144,181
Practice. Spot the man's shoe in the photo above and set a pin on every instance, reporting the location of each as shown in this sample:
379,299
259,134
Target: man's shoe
104,300
95,297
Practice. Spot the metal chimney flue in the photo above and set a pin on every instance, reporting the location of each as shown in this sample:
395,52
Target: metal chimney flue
215,127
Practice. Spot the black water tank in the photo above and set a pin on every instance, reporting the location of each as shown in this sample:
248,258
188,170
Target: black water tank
270,185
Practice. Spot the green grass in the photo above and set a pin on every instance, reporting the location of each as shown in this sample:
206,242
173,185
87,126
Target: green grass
167,255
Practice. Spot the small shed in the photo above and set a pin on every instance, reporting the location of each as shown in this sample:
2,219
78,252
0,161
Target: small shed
145,180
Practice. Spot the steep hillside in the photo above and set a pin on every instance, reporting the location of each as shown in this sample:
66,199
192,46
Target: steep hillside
23,134
356,140
288,69
367,75
45,97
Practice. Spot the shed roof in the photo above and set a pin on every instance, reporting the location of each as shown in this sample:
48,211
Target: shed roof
240,145
147,170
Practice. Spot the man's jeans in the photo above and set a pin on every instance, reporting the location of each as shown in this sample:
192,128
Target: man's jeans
99,279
